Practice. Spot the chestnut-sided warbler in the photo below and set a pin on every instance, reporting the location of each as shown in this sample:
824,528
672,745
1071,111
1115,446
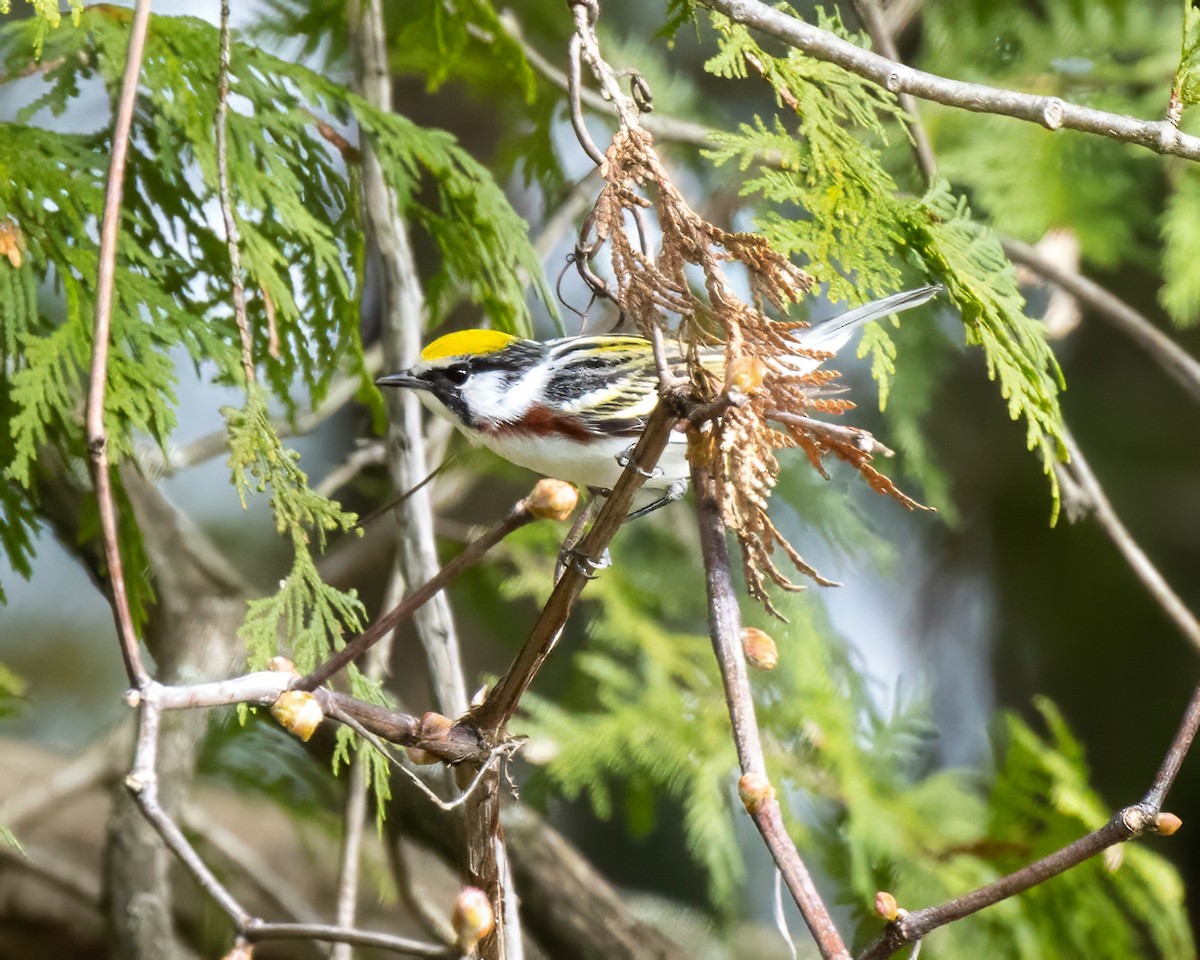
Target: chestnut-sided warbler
572,408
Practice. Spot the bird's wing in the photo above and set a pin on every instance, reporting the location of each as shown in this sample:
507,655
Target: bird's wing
608,383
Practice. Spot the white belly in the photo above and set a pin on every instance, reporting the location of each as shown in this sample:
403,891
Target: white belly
588,464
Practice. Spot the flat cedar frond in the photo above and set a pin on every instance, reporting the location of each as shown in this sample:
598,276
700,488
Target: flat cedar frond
767,371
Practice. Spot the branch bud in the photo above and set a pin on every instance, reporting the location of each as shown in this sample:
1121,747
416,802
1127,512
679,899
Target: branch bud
298,712
1166,824
472,919
282,665
745,375
755,790
887,907
552,500
12,243
241,951
433,726
759,648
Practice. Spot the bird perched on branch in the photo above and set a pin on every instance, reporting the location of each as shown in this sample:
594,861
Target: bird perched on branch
572,408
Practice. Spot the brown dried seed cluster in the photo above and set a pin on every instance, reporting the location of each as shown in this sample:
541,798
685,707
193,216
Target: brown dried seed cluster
684,283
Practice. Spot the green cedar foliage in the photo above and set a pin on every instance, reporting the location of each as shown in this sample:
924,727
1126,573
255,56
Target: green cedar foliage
1187,76
47,15
471,48
294,180
1114,56
826,197
642,732
1110,57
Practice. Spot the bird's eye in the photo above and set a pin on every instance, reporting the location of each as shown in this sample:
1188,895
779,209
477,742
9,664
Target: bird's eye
457,374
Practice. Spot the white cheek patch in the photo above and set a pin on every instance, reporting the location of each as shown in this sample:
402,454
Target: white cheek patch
492,396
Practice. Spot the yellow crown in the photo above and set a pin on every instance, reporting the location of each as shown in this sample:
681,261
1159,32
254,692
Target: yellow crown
474,343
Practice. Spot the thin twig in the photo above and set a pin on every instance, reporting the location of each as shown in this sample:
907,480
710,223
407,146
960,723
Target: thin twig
454,744
1125,825
262,932
1174,360
143,784
97,437
862,439
474,552
1080,482
1168,770
1051,112
493,759
724,621
232,235
874,19
660,125
586,12
574,85
240,854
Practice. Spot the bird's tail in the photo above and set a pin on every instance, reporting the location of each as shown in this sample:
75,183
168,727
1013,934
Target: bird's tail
831,335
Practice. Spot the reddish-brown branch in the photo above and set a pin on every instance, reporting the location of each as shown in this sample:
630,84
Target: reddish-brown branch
359,645
491,716
1126,824
1168,770
724,620
97,437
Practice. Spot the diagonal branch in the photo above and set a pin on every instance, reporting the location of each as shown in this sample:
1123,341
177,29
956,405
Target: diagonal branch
1177,363
475,551
1051,112
491,716
1130,823
1083,494
724,620
97,437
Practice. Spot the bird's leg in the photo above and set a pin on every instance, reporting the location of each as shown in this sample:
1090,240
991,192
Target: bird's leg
674,492
568,553
623,461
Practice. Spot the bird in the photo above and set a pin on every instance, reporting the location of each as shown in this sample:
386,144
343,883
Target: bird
572,408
